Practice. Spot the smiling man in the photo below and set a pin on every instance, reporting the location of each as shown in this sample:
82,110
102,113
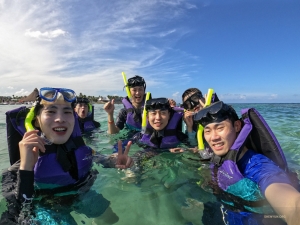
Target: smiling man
131,115
249,168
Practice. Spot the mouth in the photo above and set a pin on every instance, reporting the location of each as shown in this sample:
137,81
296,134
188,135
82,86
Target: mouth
59,129
218,146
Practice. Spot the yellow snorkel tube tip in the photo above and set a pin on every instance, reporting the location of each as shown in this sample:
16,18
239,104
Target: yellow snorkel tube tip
200,127
28,120
126,85
144,118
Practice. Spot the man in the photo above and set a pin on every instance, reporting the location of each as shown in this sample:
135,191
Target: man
131,115
245,181
85,115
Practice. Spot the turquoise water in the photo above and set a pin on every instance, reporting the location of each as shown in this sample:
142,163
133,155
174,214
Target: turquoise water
170,190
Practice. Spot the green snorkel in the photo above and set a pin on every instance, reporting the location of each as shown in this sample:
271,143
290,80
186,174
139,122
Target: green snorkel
200,127
144,115
28,120
126,85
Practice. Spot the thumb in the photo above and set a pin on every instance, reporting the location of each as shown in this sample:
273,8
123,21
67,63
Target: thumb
113,101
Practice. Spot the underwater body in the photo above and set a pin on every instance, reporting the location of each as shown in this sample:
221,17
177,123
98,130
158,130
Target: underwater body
169,188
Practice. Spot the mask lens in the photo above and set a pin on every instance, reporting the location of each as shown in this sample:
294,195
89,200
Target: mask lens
69,95
48,94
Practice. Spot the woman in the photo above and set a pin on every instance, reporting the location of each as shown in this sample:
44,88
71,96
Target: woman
53,159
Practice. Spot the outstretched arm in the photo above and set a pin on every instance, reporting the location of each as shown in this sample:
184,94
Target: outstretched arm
285,200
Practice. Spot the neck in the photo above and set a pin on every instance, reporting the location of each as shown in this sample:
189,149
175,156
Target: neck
137,105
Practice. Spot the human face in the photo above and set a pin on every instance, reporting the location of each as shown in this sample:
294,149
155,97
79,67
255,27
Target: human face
82,110
137,94
158,119
221,136
56,121
192,102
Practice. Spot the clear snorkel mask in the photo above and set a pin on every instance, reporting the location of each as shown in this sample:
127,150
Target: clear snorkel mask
47,95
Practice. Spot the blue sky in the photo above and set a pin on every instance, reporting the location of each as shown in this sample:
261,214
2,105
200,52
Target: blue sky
248,51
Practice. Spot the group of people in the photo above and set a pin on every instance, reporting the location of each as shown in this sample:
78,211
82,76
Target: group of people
249,173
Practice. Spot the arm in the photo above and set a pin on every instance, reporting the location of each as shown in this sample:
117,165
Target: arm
109,107
285,199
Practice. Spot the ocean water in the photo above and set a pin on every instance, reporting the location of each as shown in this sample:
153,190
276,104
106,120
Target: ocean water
172,188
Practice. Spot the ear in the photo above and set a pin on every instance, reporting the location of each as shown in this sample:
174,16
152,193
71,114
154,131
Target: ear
237,125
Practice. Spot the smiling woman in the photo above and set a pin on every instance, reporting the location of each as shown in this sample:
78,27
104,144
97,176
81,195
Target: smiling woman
52,140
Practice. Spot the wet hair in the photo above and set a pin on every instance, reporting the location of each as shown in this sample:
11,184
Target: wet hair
189,92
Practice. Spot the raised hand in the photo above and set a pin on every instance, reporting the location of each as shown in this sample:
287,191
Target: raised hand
29,149
123,160
109,107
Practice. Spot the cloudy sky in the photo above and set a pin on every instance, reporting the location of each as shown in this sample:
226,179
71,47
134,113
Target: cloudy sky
248,51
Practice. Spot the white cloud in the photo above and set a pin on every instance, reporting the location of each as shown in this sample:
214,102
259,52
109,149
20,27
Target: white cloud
47,35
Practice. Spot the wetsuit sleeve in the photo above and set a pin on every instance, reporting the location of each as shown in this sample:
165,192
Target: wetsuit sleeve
192,138
121,119
261,170
25,188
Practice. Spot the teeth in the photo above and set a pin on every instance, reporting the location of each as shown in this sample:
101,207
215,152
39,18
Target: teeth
59,129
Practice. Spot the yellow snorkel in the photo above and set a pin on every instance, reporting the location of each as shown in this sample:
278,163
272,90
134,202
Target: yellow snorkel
28,120
126,85
200,127
144,115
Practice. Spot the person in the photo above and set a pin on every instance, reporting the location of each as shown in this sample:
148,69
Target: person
85,115
250,175
163,129
193,101
52,162
131,115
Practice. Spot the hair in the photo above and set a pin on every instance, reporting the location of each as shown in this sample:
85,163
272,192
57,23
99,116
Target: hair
189,92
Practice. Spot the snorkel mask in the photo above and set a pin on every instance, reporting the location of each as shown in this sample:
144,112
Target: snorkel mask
192,101
215,113
46,95
158,104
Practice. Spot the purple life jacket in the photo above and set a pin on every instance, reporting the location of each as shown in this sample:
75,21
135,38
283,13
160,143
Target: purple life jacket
50,168
88,122
170,139
225,173
133,120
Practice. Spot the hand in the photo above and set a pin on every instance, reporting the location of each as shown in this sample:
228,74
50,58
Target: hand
29,149
172,102
109,107
123,160
176,150
188,119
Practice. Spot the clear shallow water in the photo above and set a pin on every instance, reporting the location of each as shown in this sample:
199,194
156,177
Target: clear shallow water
171,189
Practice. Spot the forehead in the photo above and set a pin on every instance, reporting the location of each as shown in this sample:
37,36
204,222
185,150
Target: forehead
216,124
66,106
137,87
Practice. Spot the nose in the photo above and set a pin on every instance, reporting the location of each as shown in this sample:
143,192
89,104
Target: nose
60,118
214,135
157,116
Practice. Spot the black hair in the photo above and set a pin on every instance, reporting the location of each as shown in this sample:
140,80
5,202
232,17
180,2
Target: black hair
190,92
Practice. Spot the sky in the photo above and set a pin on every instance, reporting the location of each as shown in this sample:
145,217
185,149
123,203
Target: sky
247,51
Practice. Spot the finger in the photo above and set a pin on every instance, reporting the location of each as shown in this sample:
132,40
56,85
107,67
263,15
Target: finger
120,152
201,102
113,101
127,147
129,162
